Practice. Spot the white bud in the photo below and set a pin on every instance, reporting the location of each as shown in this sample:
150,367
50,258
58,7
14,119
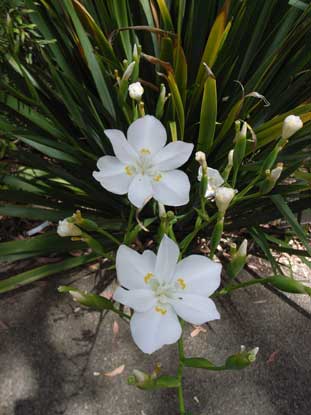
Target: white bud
76,296
291,125
128,71
276,173
242,251
200,157
252,354
163,92
162,211
66,228
223,198
140,376
135,52
230,158
243,131
136,91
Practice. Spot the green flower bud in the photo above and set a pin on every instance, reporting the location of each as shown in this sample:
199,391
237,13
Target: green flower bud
240,145
161,101
128,71
242,359
288,285
87,299
271,178
238,260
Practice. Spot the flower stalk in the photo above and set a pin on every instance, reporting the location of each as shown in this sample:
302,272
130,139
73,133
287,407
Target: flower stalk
181,357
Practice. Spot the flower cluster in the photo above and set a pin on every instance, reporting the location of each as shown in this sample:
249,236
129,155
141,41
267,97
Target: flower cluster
162,288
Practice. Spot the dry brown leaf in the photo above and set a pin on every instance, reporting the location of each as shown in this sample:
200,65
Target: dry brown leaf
197,330
115,372
273,357
106,294
115,328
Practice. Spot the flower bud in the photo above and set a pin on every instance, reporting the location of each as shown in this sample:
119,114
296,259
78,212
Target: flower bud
66,228
136,91
87,299
128,71
242,359
288,285
161,101
276,173
242,251
162,211
238,260
141,379
230,158
271,178
200,158
135,52
223,198
240,144
291,125
252,354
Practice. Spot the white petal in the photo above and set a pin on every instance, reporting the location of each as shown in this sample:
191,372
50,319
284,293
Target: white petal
147,133
112,175
173,155
151,257
200,274
121,147
140,190
173,189
140,300
152,330
195,309
132,268
167,258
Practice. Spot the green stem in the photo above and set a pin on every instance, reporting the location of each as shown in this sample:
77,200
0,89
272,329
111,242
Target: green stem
181,357
129,224
109,236
230,288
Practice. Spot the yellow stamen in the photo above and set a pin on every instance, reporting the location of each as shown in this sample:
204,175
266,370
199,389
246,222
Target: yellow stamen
148,277
128,170
145,151
182,283
157,178
161,310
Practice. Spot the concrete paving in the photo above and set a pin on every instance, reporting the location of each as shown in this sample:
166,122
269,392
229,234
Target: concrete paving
50,349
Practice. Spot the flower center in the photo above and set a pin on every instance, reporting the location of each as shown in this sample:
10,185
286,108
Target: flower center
143,166
164,291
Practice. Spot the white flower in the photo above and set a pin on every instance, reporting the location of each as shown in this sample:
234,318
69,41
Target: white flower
136,91
144,166
291,125
66,228
223,197
214,181
159,289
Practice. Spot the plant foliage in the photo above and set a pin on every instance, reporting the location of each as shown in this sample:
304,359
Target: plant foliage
218,61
